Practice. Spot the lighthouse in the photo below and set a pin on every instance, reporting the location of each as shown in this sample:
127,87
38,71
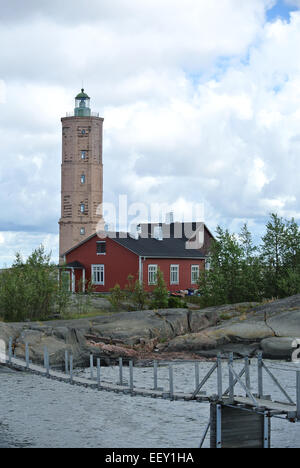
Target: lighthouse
81,174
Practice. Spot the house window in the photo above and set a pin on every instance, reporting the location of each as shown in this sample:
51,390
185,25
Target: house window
83,155
101,248
82,208
195,274
152,274
98,275
82,231
174,274
83,132
82,179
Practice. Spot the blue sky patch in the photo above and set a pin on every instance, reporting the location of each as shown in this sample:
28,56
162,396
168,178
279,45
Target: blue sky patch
281,10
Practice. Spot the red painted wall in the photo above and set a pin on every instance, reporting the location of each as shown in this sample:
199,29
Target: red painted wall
118,262
165,264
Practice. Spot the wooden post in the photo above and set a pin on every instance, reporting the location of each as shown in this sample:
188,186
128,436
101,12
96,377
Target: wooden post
131,375
155,375
197,375
220,377
71,368
46,361
27,355
10,353
171,381
120,371
92,366
99,372
231,379
260,375
247,371
66,362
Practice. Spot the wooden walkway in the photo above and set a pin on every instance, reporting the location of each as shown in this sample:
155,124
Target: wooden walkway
21,365
261,405
272,407
235,421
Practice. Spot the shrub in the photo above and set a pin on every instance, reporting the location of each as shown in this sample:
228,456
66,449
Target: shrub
30,290
160,297
176,303
136,293
116,297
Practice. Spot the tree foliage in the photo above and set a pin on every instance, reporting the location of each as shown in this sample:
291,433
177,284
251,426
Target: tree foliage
240,271
30,290
135,290
160,296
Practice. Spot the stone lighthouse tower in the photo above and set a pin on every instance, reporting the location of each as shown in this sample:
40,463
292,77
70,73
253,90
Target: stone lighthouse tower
81,174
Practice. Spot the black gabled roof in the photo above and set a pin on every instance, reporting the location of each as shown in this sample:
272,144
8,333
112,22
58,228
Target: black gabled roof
148,246
166,248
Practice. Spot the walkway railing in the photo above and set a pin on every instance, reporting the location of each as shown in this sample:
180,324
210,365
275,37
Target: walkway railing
257,401
224,404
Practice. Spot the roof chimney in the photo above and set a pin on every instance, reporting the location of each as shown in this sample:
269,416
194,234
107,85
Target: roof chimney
158,233
135,232
170,218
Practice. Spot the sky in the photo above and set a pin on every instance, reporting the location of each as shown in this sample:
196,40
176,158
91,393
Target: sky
201,102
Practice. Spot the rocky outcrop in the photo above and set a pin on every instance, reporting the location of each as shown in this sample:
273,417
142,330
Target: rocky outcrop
271,327
242,328
278,348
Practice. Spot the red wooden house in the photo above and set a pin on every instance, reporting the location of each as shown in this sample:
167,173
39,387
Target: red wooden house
178,252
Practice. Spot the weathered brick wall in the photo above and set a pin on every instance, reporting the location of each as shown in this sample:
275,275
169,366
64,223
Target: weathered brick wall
80,134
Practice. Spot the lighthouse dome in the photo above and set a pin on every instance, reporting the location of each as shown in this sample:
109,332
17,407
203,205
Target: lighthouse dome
82,105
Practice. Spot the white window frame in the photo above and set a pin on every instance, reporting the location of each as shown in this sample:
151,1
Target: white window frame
98,270
193,267
174,274
152,274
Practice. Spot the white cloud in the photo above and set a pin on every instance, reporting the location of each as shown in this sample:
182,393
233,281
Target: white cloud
201,102
233,142
24,242
2,92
